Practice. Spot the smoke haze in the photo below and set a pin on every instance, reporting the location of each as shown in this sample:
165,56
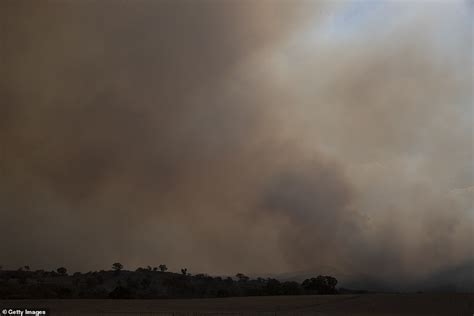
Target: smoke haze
237,136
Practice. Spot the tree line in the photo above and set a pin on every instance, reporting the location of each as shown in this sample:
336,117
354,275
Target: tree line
149,282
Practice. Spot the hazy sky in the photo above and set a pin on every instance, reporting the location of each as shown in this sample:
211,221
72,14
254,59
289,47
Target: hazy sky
237,136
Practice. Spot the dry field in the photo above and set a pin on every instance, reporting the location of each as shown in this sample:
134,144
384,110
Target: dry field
368,304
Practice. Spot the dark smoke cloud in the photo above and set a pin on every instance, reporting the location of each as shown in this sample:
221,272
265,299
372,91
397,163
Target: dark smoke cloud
116,116
231,136
314,199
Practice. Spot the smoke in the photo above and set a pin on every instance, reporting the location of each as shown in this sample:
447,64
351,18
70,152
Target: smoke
237,136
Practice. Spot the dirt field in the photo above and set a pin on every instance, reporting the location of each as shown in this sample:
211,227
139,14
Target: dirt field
369,304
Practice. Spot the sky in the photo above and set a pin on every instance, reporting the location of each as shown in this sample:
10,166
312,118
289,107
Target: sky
238,136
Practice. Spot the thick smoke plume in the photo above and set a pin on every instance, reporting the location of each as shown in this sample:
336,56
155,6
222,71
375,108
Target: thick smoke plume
237,136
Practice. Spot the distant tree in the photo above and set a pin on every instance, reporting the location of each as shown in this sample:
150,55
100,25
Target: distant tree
228,281
222,293
320,285
155,269
273,287
117,267
61,271
242,277
184,271
149,268
132,283
63,292
290,288
163,267
121,292
331,281
76,281
91,282
27,268
145,283
22,280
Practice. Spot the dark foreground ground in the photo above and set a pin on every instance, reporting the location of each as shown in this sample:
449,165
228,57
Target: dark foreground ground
366,304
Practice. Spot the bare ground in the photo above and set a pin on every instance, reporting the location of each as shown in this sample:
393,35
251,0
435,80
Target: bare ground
359,305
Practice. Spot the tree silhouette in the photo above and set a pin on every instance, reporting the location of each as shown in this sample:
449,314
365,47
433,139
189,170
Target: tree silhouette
121,292
242,277
61,271
117,267
320,285
331,281
163,267
145,284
